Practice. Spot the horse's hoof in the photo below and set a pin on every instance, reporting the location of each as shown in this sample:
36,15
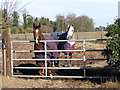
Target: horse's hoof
42,74
70,65
51,76
57,65
53,65
66,65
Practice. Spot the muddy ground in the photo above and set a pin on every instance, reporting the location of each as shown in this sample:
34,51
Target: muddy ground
63,83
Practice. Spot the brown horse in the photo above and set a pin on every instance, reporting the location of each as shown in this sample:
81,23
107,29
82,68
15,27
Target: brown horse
40,46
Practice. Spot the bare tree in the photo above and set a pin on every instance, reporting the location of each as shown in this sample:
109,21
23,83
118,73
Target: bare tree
70,17
8,7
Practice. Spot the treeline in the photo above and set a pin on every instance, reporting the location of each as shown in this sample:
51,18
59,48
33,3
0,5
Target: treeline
81,23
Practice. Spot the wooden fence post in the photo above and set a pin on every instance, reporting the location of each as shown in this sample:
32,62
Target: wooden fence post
77,35
6,35
102,33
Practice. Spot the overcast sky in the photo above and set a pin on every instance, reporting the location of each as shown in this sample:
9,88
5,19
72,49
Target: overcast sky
101,11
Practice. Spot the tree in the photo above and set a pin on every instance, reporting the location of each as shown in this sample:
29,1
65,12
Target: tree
29,30
30,21
55,27
20,29
45,21
60,22
15,19
36,21
4,19
83,23
42,20
14,30
47,25
8,7
113,47
70,18
24,18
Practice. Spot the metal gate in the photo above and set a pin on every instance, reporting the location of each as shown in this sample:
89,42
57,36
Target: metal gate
84,59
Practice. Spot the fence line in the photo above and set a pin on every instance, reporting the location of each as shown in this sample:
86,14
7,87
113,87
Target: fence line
46,67
78,35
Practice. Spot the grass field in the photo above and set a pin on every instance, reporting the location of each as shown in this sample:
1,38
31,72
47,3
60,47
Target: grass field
79,35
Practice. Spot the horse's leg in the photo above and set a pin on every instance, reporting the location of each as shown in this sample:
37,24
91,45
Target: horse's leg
50,64
56,62
40,72
70,56
43,70
50,71
53,63
38,64
65,60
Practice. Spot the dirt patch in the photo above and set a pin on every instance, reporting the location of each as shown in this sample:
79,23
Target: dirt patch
58,83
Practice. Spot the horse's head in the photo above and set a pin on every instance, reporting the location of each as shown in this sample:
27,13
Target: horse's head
70,32
37,33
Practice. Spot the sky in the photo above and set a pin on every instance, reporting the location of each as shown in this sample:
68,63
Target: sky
103,12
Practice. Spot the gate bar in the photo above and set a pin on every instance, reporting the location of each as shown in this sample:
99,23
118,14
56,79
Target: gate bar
12,57
63,40
44,59
48,50
62,76
84,58
64,67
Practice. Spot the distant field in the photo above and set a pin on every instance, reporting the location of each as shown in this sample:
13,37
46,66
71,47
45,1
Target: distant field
79,35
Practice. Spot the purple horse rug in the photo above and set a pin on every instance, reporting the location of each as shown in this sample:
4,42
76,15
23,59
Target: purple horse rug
50,55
